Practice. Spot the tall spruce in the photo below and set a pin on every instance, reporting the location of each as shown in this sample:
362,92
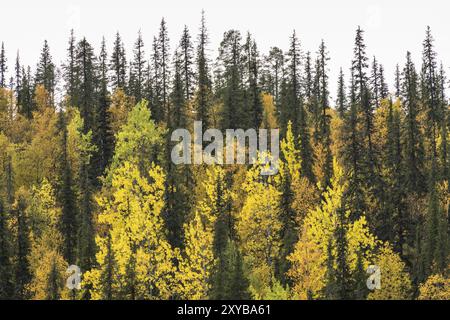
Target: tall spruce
102,133
203,94
137,70
3,67
118,64
45,71
187,62
414,150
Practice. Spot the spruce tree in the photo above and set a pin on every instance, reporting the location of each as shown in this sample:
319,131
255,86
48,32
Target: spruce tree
102,134
414,150
87,82
70,72
66,196
341,101
22,265
18,82
203,94
6,275
137,70
118,64
3,67
187,61
253,90
45,71
230,79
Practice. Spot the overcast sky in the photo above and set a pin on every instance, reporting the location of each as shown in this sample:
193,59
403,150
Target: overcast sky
392,27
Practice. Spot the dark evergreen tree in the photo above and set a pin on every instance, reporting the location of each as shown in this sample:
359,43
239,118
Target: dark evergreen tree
430,94
118,64
3,67
18,81
273,73
22,266
230,77
341,101
45,71
186,58
375,82
384,90
254,108
87,82
414,150
102,135
70,72
137,69
6,274
397,81
324,117
66,196
203,95
26,94
161,69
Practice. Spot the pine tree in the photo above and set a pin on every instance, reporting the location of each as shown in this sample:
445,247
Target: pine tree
414,149
397,81
70,71
231,77
66,196
45,71
325,117
161,57
341,101
294,109
87,80
118,64
187,61
22,267
6,274
18,81
203,94
384,90
274,73
430,93
26,93
3,67
137,69
102,133
253,91
375,82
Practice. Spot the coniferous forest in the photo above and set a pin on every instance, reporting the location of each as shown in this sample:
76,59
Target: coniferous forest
86,177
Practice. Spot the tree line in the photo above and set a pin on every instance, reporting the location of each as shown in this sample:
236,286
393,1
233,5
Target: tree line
87,179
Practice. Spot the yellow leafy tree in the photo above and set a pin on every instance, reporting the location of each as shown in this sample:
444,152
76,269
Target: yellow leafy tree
198,262
121,105
395,281
48,267
134,255
259,230
437,287
318,233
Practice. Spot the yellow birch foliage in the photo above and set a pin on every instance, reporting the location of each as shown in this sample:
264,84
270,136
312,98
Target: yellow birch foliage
48,267
143,259
395,281
437,287
318,231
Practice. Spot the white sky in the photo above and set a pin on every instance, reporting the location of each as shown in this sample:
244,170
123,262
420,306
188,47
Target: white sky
392,27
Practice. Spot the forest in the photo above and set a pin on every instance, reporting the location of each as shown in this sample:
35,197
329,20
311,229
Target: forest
86,177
